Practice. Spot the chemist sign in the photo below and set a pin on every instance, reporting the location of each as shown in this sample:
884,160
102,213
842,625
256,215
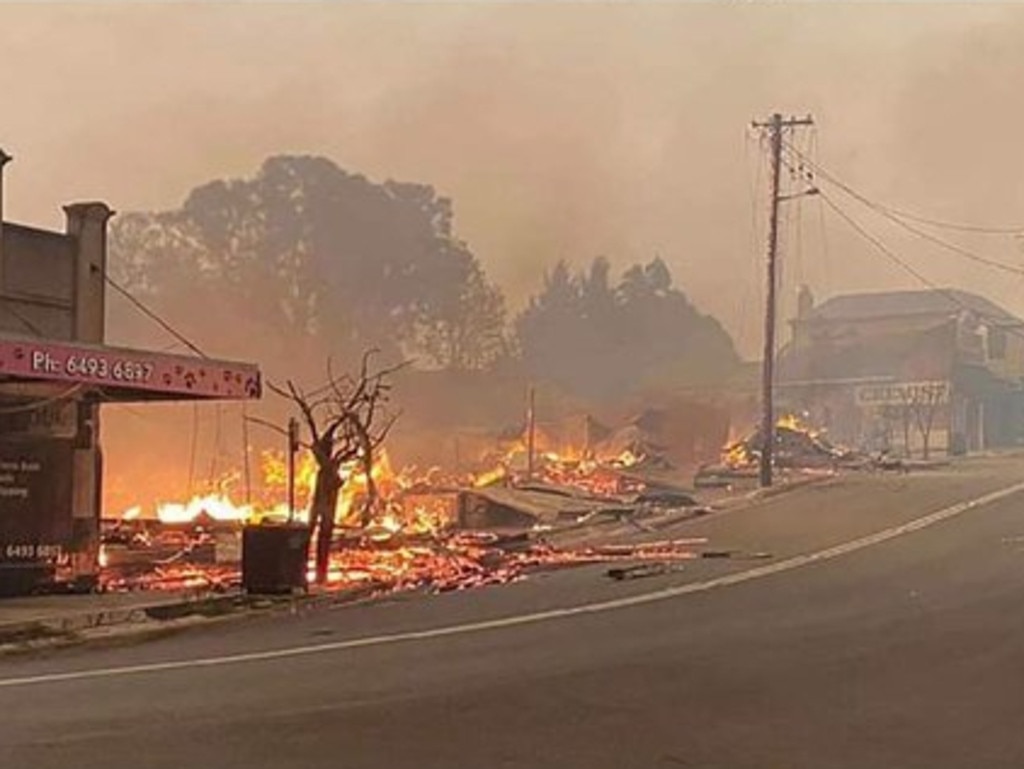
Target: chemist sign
903,394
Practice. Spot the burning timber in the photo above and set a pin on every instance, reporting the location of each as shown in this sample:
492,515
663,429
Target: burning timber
436,536
797,447
460,561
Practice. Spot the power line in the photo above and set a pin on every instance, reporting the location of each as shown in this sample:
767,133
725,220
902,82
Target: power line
882,248
895,218
906,267
960,226
152,315
43,402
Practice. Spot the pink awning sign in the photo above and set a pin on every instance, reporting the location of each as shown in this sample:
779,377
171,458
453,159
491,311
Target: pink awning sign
121,370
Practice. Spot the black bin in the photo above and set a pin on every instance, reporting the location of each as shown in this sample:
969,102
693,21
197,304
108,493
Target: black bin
274,558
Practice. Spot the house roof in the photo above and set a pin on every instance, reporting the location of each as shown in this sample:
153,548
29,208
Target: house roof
887,304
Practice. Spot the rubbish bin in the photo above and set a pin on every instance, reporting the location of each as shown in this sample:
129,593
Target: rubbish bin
274,558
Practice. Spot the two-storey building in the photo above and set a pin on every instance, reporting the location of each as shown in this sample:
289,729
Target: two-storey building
909,371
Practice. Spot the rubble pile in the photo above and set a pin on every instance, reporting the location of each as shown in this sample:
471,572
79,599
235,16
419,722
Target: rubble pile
430,530
457,561
797,446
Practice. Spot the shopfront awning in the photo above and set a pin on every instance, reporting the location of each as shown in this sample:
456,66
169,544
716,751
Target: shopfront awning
126,375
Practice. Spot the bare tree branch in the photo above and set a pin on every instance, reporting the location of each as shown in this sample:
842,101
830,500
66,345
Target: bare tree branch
347,420
264,423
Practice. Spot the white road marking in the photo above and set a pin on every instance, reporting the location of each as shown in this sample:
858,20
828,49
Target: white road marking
527,619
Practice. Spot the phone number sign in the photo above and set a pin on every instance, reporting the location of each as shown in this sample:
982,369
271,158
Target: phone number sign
130,369
35,499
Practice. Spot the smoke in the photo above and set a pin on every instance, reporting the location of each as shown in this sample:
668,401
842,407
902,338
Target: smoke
559,130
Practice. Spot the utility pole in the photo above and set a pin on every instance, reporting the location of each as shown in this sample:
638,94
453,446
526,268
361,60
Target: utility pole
775,126
531,432
293,448
246,473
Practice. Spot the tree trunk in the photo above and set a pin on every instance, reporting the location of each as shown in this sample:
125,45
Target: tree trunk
321,515
905,414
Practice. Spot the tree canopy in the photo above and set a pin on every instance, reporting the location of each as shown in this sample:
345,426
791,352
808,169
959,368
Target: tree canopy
304,260
590,336
306,255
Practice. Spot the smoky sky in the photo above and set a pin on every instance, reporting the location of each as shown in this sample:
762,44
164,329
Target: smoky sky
559,130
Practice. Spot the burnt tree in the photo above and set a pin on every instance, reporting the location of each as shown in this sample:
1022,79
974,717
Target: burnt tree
345,421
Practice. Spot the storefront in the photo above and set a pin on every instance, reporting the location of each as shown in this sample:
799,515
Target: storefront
51,468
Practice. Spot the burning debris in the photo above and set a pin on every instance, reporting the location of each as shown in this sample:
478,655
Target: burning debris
459,561
375,527
429,530
797,446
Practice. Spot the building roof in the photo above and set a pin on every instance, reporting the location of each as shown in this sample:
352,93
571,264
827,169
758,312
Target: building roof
887,304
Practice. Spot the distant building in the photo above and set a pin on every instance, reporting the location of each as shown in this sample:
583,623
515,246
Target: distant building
908,371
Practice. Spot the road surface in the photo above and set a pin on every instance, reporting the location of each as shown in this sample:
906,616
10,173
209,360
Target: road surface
886,631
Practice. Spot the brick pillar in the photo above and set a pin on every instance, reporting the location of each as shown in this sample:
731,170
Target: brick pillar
87,224
4,160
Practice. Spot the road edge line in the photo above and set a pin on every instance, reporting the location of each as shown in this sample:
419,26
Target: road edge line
598,607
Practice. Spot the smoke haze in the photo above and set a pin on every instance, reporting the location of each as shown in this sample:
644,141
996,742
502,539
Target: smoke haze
559,130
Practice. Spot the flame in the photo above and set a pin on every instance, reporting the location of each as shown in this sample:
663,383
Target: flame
406,538
737,455
490,477
217,506
795,423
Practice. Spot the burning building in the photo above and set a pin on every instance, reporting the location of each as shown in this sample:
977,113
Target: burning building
55,374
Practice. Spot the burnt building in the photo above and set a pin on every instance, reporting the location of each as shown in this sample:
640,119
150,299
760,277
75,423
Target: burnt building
55,374
907,371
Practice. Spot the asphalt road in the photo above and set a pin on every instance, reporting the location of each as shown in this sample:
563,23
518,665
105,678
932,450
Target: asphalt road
848,648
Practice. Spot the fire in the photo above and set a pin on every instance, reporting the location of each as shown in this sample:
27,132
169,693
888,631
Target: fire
490,477
357,485
744,453
795,423
405,539
217,506
737,455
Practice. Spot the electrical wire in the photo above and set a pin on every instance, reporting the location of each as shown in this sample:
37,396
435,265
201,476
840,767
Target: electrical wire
959,226
907,267
152,315
166,326
42,403
193,448
893,217
976,228
747,297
